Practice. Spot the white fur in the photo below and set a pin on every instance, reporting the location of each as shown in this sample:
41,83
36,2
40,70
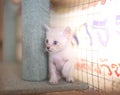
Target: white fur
62,56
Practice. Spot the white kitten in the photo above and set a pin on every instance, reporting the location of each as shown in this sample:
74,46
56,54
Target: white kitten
62,55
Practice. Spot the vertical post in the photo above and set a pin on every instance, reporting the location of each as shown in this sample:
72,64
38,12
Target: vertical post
9,34
35,13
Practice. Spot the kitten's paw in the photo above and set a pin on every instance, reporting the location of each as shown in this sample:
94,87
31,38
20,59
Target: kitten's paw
53,81
70,80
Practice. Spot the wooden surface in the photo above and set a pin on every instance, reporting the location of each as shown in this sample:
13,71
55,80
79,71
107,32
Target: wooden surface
68,3
63,6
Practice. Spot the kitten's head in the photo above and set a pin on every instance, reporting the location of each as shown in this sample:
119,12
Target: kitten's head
57,39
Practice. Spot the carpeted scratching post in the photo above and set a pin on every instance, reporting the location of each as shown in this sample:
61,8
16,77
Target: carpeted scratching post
35,15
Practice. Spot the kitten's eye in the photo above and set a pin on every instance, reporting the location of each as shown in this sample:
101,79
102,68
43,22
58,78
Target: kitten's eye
47,41
55,42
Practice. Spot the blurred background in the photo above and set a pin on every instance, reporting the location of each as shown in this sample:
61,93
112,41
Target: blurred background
10,31
1,27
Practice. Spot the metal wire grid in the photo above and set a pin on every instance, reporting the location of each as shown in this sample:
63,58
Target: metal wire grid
96,81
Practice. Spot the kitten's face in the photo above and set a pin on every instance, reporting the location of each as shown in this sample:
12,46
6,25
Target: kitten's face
56,39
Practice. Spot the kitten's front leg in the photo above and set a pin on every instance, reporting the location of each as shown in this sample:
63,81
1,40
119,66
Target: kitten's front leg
53,73
68,71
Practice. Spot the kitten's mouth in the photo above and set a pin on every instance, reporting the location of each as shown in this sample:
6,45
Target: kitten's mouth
48,50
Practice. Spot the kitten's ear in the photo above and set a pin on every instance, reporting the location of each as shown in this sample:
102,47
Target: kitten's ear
68,32
47,28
